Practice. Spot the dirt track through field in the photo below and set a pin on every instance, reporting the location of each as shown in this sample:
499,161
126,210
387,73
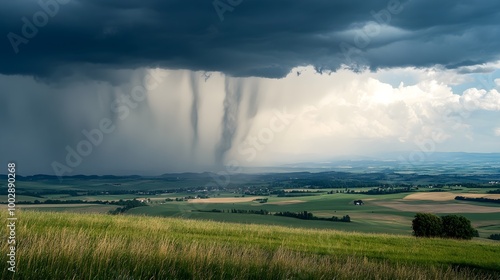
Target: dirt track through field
445,196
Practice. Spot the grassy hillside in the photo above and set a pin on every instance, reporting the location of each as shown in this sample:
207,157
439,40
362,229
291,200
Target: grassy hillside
95,246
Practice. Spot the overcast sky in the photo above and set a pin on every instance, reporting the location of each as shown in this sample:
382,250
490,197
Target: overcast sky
157,86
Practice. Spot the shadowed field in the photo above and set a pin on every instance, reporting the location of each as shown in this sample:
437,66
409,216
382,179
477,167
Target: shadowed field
439,208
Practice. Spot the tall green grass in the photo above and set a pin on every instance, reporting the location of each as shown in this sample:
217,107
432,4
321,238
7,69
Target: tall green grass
96,246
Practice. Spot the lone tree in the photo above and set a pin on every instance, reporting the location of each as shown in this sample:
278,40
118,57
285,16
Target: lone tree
427,225
457,227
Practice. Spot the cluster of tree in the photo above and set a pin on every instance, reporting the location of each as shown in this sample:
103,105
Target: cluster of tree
449,226
345,219
299,215
388,190
452,186
238,211
111,191
472,185
304,215
259,212
213,210
72,201
79,201
295,193
346,191
176,199
261,200
358,202
478,199
286,194
497,191
128,202
326,183
437,190
202,196
127,205
305,191
339,184
257,192
43,192
495,236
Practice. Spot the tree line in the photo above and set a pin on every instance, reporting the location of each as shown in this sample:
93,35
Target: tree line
495,236
79,201
478,199
127,205
238,211
304,215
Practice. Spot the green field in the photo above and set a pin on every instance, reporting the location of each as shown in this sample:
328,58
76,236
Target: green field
372,217
185,228
377,215
97,246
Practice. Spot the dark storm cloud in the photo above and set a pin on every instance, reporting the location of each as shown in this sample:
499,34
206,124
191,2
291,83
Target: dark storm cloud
256,37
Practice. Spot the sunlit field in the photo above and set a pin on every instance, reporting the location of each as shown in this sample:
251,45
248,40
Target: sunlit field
96,246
